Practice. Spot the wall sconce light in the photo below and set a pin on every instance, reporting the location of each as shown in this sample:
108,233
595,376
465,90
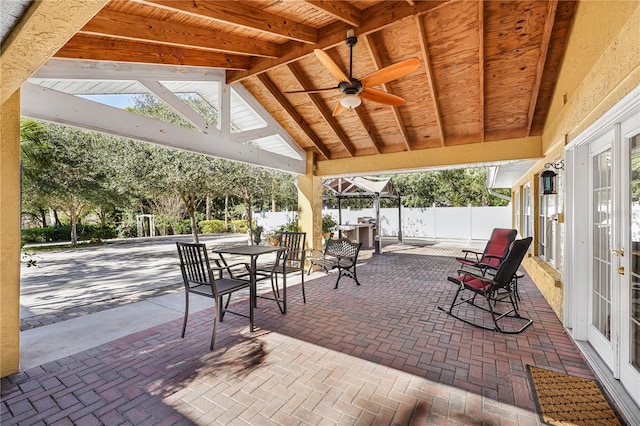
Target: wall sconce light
549,177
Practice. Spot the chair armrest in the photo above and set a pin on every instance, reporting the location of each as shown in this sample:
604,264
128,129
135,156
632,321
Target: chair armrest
314,254
468,273
220,268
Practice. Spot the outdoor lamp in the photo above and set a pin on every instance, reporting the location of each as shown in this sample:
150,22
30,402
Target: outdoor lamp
350,101
549,177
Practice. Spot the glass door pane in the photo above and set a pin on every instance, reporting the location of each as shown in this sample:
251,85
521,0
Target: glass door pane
634,290
602,215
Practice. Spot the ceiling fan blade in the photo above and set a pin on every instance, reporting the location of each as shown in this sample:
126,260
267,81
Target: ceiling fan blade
326,89
391,72
338,109
331,66
381,97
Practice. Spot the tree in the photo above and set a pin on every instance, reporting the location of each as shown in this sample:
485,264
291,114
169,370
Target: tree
71,177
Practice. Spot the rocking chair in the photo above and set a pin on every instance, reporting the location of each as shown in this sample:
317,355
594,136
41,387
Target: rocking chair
488,286
494,252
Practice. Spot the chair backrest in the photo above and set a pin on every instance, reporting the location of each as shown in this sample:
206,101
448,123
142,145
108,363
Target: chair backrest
511,263
295,244
498,246
194,264
343,247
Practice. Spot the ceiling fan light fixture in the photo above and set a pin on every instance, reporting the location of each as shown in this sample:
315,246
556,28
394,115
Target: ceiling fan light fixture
350,101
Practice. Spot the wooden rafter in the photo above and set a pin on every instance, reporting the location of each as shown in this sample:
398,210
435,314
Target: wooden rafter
324,111
84,46
373,19
241,15
481,64
377,62
365,123
544,48
275,92
341,10
422,31
121,25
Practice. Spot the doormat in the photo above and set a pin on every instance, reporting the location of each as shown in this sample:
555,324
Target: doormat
568,400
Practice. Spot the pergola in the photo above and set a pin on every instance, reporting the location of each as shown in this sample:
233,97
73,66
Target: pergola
359,187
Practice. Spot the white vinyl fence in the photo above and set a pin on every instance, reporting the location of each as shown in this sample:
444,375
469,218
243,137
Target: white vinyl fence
466,223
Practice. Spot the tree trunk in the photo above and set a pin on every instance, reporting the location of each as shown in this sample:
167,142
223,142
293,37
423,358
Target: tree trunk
43,218
247,209
208,208
226,211
74,220
194,225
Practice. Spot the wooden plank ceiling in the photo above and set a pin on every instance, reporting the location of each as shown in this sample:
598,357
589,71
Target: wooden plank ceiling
487,68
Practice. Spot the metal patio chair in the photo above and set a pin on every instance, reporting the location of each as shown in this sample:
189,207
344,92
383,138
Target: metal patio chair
494,252
199,278
487,288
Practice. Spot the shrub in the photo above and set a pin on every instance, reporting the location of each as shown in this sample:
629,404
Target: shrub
214,226
328,224
182,227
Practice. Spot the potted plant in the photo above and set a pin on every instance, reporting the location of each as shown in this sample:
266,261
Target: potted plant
328,226
257,234
272,237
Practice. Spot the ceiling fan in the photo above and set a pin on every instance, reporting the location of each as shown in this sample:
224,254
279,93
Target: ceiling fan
353,89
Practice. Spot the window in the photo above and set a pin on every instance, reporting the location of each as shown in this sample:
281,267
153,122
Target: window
518,211
526,211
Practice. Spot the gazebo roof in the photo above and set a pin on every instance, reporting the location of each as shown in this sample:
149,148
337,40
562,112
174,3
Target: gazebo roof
359,187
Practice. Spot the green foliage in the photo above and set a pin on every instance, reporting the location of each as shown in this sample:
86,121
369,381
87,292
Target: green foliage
328,223
183,227
63,233
215,226
239,226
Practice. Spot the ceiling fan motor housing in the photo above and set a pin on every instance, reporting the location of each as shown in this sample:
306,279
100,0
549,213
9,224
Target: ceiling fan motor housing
350,88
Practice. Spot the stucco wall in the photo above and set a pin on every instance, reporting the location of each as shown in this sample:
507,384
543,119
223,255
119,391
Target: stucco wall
601,66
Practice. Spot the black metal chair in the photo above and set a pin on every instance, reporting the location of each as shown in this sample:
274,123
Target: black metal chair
487,286
340,254
289,260
494,252
199,278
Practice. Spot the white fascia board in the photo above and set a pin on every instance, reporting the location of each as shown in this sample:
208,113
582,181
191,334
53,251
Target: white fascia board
50,105
104,70
271,122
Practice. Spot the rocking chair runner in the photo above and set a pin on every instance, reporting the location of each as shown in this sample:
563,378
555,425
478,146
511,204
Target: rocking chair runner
488,287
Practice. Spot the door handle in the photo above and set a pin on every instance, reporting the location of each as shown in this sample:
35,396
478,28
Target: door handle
621,270
618,252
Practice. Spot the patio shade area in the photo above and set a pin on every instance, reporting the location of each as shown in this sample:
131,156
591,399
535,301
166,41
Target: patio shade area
379,353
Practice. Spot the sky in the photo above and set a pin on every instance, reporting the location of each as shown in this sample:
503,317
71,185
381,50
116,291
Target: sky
118,101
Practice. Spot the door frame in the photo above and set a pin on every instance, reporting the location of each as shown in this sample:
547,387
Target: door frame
576,244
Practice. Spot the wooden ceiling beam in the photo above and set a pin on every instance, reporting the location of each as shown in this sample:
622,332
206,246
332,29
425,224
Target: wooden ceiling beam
542,59
341,10
424,47
377,62
374,19
84,46
367,126
286,105
481,63
241,15
121,25
324,111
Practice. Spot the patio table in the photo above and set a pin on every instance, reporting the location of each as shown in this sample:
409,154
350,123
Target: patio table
253,252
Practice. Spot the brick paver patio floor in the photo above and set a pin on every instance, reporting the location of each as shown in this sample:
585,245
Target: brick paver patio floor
379,353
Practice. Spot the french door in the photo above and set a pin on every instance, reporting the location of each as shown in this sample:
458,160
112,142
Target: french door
614,287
